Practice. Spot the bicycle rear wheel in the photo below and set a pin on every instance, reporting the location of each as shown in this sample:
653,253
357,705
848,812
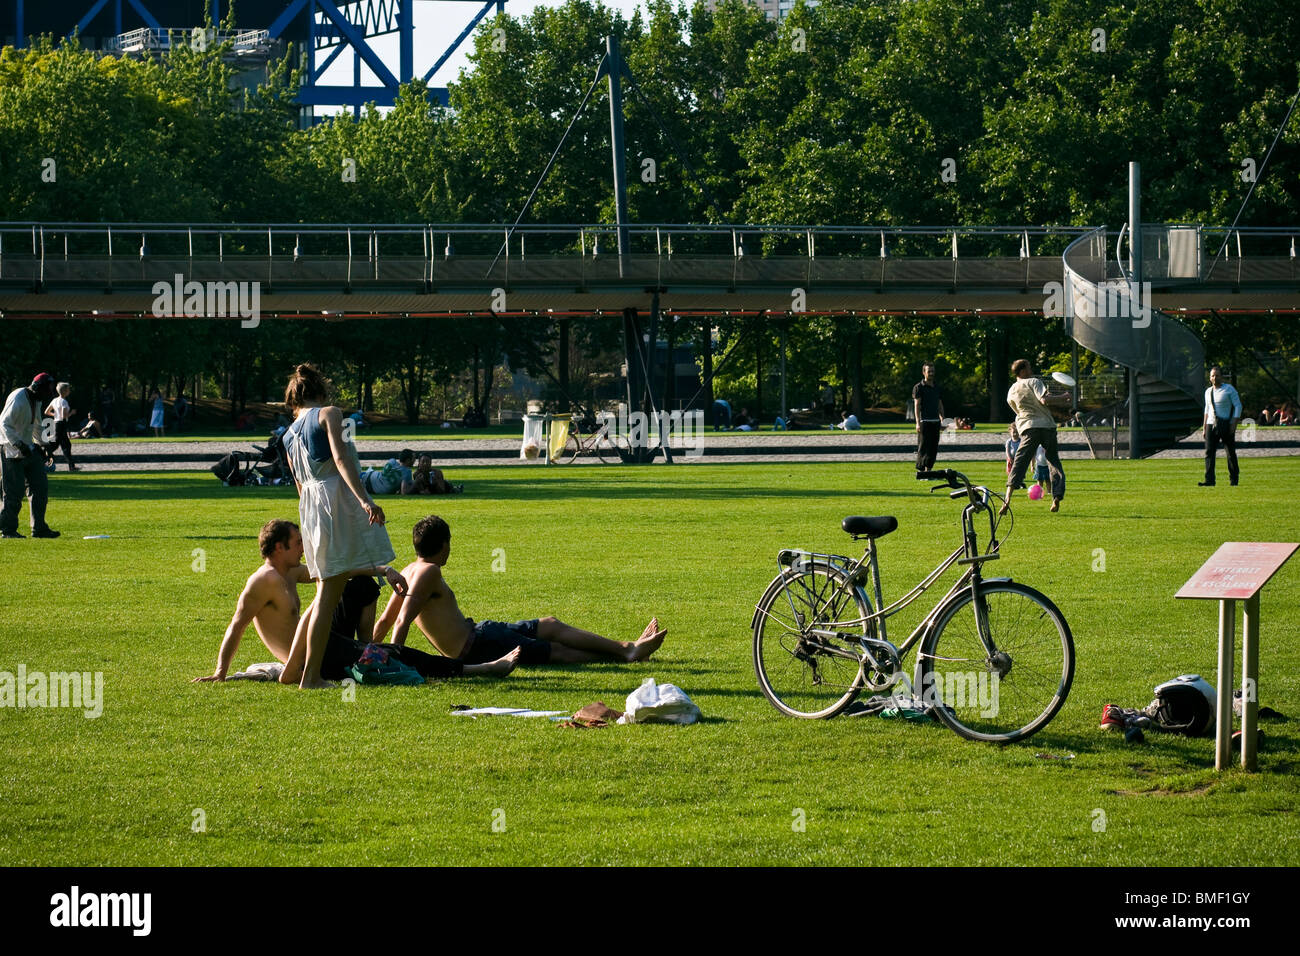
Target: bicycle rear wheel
571,450
1012,692
808,631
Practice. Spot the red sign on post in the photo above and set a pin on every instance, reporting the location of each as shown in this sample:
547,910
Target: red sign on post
1237,570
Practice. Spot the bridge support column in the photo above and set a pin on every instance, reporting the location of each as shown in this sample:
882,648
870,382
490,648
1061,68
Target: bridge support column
1135,287
635,354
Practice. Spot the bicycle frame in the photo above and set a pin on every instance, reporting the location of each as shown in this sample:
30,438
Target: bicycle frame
967,554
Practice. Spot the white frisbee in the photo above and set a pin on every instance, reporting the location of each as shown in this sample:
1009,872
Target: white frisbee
1064,379
93,537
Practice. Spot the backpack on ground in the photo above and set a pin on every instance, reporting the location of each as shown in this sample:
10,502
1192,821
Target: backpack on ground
377,666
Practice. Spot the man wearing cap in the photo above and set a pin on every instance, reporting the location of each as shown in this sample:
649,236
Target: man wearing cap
21,463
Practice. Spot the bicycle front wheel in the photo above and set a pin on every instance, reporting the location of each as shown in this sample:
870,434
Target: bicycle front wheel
808,632
606,447
1006,685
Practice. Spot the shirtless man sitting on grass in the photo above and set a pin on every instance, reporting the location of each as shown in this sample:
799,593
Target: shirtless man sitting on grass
431,603
270,603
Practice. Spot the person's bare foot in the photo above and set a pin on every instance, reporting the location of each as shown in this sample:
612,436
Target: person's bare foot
317,684
649,628
1056,504
646,644
503,665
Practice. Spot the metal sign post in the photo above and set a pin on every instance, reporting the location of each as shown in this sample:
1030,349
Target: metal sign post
1236,572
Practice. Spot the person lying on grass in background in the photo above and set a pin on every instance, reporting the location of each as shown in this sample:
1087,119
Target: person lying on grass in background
427,480
392,477
431,604
270,603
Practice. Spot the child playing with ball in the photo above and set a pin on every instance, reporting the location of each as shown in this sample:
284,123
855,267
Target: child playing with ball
1041,474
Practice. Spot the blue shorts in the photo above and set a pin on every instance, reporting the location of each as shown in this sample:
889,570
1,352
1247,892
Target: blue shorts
1042,473
493,639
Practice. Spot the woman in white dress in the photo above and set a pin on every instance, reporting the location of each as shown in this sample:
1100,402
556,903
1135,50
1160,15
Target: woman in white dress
342,528
156,420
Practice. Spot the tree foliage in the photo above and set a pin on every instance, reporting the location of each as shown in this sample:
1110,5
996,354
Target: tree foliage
849,112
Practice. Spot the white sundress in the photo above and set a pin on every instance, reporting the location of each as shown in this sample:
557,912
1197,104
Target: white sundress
337,536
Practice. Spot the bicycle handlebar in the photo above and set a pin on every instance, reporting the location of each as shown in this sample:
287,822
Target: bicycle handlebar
952,478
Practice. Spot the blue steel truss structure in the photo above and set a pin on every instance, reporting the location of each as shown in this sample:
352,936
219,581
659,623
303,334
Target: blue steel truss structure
325,30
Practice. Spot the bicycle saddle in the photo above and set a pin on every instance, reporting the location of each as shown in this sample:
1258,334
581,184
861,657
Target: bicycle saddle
859,526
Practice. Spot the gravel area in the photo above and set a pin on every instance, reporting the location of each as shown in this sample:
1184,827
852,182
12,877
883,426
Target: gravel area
718,448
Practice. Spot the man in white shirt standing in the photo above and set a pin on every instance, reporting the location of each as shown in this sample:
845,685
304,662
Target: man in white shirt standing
1222,412
1029,398
21,462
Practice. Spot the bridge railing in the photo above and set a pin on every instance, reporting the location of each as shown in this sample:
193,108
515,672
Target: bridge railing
1175,254
1108,315
478,255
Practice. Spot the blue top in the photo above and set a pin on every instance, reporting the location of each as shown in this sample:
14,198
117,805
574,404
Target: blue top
308,428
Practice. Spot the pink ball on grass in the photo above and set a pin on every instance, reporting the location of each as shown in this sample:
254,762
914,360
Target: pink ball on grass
1035,492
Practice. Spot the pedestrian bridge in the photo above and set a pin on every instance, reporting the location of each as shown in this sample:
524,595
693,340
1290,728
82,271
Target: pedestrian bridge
255,271
111,269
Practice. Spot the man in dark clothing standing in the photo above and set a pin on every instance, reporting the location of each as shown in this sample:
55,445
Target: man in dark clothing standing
928,408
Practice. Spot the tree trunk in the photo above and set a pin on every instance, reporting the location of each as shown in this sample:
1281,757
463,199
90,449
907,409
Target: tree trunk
411,385
706,367
758,367
489,369
563,356
855,364
996,337
475,397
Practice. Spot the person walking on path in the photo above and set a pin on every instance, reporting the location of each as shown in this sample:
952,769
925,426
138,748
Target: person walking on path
181,408
928,407
61,412
23,465
156,422
1029,398
106,411
1222,412
342,527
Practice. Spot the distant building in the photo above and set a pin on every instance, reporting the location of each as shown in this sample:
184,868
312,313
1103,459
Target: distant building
773,9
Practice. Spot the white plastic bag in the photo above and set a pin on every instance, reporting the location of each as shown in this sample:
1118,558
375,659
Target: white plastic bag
653,703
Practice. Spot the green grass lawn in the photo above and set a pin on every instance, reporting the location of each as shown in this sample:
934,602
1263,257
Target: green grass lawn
287,777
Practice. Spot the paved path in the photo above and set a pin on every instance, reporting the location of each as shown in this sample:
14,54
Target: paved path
715,448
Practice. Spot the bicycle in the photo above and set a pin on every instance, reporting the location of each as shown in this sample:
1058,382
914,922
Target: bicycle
590,437
995,657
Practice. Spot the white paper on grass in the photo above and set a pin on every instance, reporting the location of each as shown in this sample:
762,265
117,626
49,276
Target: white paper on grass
653,703
506,712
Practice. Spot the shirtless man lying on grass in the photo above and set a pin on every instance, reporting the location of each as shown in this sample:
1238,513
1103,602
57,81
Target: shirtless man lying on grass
270,603
431,603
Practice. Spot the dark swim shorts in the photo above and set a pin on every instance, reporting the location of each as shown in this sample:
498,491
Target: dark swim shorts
493,639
